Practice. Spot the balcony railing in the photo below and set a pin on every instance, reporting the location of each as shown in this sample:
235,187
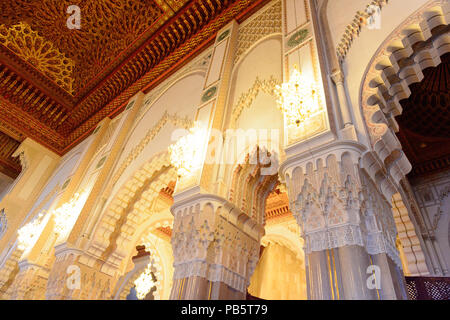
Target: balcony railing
428,288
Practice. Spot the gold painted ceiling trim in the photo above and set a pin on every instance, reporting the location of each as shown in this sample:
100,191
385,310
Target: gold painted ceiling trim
39,53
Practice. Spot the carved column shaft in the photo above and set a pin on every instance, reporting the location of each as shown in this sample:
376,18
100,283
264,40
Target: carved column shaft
319,278
74,242
338,79
345,222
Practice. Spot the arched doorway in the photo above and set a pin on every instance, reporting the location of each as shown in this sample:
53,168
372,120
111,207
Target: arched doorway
424,127
280,273
396,116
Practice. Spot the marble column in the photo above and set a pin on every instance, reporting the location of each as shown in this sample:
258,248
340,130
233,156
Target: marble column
319,277
345,221
215,247
392,282
338,79
354,261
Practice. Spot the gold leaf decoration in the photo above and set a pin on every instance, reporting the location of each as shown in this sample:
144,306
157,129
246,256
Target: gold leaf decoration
39,53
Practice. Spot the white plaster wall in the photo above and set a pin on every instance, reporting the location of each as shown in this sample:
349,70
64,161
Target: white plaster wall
365,46
67,167
5,184
92,172
182,100
263,61
341,12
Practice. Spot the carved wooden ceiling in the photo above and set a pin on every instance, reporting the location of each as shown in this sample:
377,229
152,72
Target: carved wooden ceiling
8,165
277,205
57,83
425,122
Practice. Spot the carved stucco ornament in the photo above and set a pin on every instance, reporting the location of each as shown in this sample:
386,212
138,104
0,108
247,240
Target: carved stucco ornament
298,38
223,35
209,94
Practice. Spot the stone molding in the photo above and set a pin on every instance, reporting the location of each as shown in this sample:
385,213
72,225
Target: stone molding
353,29
264,23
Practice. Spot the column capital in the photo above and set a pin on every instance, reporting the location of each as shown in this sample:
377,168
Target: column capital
219,207
337,205
337,76
28,148
73,276
214,240
298,156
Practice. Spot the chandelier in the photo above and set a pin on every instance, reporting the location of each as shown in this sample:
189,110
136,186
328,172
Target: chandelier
187,153
64,218
297,98
28,234
66,215
144,283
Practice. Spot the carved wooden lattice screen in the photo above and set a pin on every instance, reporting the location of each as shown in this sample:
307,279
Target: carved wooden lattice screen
428,288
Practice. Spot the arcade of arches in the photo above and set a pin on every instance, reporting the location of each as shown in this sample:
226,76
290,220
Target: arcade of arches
165,168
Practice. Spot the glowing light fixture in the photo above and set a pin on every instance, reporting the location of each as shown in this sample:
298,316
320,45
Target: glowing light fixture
28,234
66,215
187,153
144,283
297,98
64,218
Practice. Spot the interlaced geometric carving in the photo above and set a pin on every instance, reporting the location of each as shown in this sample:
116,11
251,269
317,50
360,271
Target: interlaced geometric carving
252,181
268,22
246,99
123,47
107,28
40,53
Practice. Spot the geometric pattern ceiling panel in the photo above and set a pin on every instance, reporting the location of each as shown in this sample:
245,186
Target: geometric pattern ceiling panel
75,58
425,121
427,110
9,165
57,84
